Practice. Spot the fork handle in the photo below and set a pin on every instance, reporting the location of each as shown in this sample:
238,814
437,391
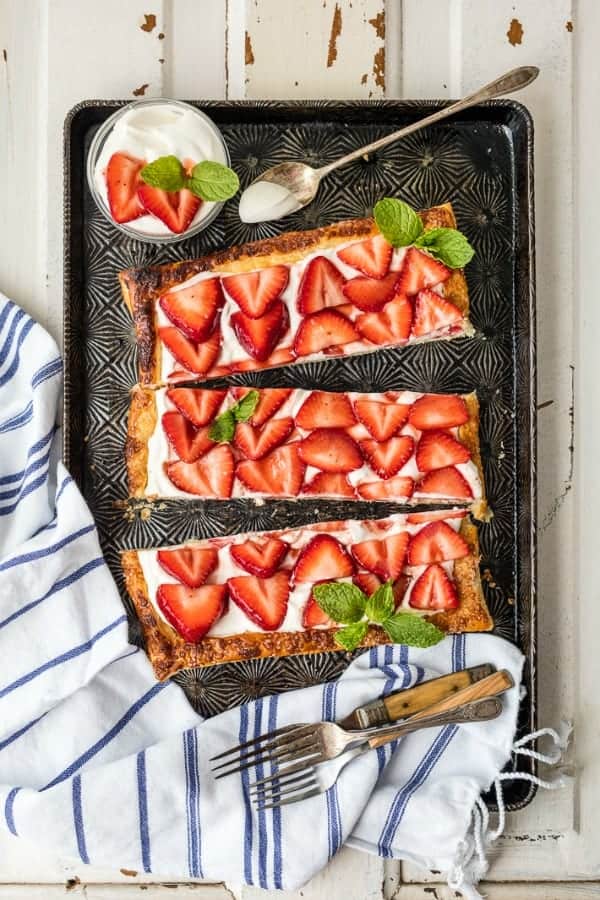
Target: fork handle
491,686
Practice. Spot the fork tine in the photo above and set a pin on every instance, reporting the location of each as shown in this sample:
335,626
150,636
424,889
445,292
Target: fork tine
282,782
283,753
268,736
294,799
306,784
306,763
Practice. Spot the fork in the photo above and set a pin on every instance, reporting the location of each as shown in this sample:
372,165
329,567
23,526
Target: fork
287,786
308,744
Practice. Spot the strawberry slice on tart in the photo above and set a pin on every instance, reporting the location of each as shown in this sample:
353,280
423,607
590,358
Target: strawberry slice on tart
280,473
271,399
434,313
314,617
321,286
256,292
438,411
371,294
255,442
384,558
386,458
176,209
192,611
188,442
122,183
371,257
209,476
259,557
446,482
433,590
330,450
367,582
194,310
438,449
263,600
390,326
330,484
190,565
323,330
260,336
323,409
436,542
419,271
198,406
196,358
401,486
382,420
322,559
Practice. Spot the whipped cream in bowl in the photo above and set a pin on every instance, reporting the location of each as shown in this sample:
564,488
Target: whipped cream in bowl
147,130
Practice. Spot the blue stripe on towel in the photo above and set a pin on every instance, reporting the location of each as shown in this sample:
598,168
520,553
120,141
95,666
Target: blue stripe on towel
333,808
47,371
143,810
78,819
276,813
261,815
6,376
18,420
46,551
243,736
17,734
18,490
193,803
35,448
9,810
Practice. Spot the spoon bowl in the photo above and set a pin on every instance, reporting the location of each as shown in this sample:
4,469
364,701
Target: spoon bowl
298,178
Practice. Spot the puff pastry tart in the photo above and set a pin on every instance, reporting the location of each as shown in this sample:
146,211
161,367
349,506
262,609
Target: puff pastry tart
334,291
250,595
399,445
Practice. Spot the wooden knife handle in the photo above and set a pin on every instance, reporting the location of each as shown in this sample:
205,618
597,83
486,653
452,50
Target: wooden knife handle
412,700
491,686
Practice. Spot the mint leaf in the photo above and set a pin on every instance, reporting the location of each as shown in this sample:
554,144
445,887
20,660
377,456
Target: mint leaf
213,181
448,245
245,407
351,636
380,605
341,601
165,173
408,628
397,221
222,429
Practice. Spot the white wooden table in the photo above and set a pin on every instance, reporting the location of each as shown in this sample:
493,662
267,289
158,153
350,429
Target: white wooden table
54,53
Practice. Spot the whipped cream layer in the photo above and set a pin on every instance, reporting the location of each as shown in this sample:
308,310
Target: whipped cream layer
149,132
160,451
353,531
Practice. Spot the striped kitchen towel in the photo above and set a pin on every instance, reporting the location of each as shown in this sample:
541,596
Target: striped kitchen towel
103,764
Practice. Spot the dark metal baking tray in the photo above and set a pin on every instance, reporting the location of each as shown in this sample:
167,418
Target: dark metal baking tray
482,163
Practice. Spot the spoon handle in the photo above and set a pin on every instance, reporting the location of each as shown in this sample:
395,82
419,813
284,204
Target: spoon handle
511,81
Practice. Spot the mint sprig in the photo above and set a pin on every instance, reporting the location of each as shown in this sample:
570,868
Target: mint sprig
402,227
222,429
209,180
347,604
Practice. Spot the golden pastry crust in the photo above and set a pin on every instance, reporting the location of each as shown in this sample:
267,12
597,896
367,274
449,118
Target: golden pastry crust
468,434
141,287
169,652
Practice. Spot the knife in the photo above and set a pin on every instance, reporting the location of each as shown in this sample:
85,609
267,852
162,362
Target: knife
405,703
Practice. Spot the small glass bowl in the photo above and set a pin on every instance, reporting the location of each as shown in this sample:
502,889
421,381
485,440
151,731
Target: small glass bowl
212,209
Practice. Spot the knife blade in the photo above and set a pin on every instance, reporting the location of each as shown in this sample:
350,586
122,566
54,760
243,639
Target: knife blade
405,703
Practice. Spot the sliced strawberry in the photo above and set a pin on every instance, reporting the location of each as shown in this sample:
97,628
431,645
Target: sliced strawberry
384,558
325,409
435,516
329,484
190,565
390,326
331,450
436,542
255,443
194,310
197,405
322,559
270,400
192,612
122,182
420,271
321,330
438,411
314,617
387,457
382,420
446,482
433,590
264,600
391,489
175,209
279,474
433,313
371,293
256,292
210,476
189,443
261,557
438,449
196,358
259,337
321,286
372,257
367,582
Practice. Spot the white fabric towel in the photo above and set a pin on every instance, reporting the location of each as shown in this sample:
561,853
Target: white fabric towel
103,763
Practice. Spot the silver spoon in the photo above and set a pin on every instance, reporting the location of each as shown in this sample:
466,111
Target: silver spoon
302,181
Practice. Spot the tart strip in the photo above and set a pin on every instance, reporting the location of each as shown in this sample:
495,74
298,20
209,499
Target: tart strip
250,595
332,291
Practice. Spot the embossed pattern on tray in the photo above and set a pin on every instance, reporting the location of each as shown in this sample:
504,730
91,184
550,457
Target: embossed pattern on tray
482,165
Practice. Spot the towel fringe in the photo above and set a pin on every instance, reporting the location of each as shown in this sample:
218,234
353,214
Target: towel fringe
471,863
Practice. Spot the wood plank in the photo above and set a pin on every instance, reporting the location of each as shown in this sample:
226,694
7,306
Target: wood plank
506,891
306,49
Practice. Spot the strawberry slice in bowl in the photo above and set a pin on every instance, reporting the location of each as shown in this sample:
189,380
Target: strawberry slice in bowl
122,183
176,209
